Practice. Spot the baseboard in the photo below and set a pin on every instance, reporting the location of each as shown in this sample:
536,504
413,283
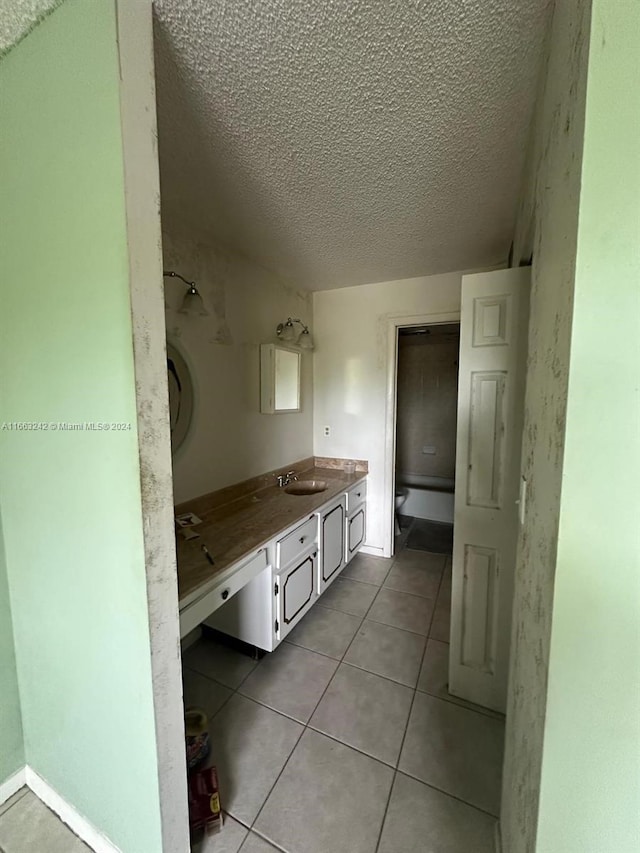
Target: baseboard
83,828
9,787
498,837
372,552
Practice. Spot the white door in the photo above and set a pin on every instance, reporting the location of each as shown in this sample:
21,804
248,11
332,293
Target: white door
493,343
332,549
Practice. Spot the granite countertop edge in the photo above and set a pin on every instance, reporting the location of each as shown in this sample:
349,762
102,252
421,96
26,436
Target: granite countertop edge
234,531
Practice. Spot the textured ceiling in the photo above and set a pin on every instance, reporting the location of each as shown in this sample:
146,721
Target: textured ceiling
348,141
344,141
17,17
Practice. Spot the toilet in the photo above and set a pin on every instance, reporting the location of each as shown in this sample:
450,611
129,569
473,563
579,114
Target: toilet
400,498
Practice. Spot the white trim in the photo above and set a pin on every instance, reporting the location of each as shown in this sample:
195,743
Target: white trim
11,785
372,550
393,324
83,828
142,203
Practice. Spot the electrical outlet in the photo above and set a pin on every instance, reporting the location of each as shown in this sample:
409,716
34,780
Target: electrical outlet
327,431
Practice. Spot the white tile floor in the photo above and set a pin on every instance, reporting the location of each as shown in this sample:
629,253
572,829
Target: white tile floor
27,826
345,739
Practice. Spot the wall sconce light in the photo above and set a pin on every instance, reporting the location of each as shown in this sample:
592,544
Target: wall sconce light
287,332
192,302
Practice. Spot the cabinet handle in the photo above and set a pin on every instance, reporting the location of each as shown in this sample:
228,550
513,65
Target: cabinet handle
358,494
225,594
302,538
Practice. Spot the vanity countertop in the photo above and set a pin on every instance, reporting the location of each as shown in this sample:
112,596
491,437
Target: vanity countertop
238,528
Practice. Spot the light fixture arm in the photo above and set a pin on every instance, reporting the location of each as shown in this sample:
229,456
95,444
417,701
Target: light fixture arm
290,322
286,332
172,274
192,302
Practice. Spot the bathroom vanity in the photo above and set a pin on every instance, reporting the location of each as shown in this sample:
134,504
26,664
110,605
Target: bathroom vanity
275,553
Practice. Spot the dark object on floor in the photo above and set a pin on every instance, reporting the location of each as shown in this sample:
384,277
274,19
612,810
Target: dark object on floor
434,536
205,813
197,730
232,643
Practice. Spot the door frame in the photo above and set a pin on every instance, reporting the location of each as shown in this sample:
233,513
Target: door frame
394,324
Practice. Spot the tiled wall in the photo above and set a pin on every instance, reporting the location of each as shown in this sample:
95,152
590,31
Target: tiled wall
427,404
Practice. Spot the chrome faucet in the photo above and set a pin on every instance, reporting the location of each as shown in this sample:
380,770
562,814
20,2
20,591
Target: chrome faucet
285,479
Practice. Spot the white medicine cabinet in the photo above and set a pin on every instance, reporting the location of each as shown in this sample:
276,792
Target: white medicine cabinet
279,379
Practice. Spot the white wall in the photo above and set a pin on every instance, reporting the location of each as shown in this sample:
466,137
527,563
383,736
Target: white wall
229,439
351,366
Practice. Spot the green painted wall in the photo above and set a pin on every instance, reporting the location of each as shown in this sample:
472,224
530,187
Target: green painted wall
70,500
11,742
590,785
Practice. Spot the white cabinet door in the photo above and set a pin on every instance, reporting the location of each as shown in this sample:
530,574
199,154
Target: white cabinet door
356,526
493,338
332,547
295,590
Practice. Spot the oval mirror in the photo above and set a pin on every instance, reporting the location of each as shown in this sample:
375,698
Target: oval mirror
180,396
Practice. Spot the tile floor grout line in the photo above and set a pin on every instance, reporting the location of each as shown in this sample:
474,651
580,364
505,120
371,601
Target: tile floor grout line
484,712
315,651
343,577
225,702
415,687
406,728
277,779
407,630
350,746
17,799
264,838
353,639
448,794
413,594
386,809
307,726
377,674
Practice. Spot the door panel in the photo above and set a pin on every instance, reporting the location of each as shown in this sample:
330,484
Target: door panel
296,592
493,338
332,547
356,526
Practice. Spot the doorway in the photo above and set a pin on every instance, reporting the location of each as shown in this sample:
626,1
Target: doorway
412,339
425,436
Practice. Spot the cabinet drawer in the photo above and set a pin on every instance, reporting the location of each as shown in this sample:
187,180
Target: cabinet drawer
231,581
297,542
356,495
